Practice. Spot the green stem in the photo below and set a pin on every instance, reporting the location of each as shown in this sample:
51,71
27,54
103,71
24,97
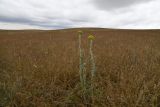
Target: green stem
80,61
93,67
93,70
82,70
81,64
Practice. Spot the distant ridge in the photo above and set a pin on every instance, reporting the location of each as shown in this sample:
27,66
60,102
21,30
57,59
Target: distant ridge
83,28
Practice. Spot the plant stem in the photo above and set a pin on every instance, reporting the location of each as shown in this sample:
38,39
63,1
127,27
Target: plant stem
80,61
93,70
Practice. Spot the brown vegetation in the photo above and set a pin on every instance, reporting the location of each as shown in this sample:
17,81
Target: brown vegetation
41,68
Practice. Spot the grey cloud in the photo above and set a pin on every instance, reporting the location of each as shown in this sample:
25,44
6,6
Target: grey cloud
45,13
15,19
116,4
50,23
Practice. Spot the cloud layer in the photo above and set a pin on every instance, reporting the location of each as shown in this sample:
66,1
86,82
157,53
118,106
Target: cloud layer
57,14
115,4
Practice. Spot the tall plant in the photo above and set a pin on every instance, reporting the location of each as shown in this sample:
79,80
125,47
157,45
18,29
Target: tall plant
81,61
93,66
82,69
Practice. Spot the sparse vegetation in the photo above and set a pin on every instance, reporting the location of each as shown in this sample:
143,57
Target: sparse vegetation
41,68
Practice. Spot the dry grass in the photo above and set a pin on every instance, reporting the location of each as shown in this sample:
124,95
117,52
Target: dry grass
40,68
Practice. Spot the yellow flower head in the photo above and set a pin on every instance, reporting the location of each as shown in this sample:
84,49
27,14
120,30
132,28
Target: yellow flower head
91,37
80,32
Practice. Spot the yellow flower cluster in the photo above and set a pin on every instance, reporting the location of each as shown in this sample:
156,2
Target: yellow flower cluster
91,37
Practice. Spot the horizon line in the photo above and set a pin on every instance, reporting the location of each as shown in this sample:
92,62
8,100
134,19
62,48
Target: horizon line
71,28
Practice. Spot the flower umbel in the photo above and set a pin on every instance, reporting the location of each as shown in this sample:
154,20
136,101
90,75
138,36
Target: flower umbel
91,37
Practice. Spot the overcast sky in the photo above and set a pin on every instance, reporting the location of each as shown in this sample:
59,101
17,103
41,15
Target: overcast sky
57,14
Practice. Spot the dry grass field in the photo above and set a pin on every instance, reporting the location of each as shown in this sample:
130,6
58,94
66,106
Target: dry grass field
41,68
